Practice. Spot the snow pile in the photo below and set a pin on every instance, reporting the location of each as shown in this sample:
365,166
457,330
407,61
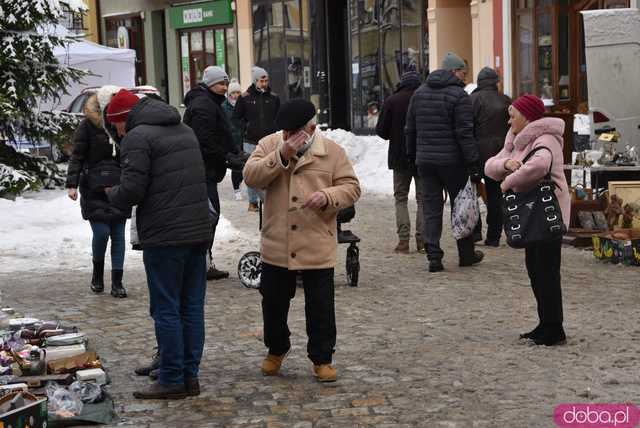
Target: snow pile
368,153
45,231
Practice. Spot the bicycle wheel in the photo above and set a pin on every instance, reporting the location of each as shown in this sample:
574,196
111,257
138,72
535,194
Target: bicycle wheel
250,269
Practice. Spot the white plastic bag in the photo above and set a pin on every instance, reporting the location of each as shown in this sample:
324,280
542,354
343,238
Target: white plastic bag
133,229
466,212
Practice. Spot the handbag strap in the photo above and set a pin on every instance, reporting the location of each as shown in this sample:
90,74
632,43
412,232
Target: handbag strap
532,152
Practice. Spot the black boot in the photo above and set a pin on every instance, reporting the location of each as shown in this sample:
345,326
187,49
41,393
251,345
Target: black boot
97,277
552,334
158,391
214,274
146,370
117,290
533,334
477,258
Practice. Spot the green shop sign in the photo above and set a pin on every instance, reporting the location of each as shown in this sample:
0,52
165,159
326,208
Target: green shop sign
202,14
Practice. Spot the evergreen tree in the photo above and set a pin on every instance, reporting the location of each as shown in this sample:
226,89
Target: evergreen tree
31,74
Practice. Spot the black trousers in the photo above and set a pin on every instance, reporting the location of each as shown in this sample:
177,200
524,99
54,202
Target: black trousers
236,179
543,266
278,287
494,211
435,179
212,193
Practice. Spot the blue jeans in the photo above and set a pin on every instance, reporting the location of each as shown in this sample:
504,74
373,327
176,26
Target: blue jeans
101,233
177,280
253,194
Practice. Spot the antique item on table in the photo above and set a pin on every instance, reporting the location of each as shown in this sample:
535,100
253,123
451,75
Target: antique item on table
601,220
627,194
67,339
87,360
608,140
621,246
586,220
67,351
613,211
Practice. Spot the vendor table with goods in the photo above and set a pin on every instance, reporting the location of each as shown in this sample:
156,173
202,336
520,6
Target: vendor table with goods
49,375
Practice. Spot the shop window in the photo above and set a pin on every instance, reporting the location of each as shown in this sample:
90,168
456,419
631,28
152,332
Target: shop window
132,37
386,40
201,48
550,60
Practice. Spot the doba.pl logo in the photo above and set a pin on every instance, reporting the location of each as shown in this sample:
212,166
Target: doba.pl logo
589,415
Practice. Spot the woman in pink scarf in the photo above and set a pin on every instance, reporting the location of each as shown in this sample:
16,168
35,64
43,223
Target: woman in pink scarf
530,130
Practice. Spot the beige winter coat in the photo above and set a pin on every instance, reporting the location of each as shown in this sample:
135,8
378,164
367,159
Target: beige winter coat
294,237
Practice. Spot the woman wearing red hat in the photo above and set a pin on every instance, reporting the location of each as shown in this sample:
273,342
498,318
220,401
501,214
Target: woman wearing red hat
529,131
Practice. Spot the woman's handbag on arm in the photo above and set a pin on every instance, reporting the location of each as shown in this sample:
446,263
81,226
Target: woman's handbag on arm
105,173
533,217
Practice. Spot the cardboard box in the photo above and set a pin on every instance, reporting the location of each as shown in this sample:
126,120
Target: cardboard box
619,246
33,414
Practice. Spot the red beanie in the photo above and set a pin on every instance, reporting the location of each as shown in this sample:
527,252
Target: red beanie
120,106
530,106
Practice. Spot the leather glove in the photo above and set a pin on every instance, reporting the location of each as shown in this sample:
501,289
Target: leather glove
236,161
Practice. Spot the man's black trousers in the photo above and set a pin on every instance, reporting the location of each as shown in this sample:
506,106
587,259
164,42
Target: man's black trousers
278,287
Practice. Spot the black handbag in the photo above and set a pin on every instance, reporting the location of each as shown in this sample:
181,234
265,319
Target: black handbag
533,217
105,173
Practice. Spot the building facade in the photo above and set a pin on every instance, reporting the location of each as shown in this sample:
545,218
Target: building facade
347,56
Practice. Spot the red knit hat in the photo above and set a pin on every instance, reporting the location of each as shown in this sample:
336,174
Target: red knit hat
530,106
120,106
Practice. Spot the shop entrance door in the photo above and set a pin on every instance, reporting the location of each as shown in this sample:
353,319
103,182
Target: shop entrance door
338,64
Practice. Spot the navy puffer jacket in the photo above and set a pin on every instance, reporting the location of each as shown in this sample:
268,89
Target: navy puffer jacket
439,127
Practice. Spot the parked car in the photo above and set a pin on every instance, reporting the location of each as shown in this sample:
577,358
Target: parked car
76,107
38,147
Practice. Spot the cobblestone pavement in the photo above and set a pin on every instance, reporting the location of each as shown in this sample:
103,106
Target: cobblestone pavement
414,349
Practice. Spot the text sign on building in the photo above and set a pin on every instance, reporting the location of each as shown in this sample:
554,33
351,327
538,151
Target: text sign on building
201,14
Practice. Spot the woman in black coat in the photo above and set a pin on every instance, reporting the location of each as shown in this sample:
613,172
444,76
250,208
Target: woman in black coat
95,164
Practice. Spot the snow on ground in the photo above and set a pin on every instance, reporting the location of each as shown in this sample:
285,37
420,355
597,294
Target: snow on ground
368,153
45,230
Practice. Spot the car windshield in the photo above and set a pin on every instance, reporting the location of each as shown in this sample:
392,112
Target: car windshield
78,104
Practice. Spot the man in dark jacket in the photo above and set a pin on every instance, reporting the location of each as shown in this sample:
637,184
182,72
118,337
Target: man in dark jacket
164,175
490,126
440,141
208,120
391,127
258,108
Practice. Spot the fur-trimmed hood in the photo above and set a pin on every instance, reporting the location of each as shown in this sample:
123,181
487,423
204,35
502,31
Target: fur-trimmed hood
92,111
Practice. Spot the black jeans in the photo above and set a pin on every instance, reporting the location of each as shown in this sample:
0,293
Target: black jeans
543,266
435,179
212,193
236,179
494,211
278,287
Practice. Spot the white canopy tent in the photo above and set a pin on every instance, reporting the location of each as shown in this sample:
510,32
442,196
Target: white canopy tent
107,66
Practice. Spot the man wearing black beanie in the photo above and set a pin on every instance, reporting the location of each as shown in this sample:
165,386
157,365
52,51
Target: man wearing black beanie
308,179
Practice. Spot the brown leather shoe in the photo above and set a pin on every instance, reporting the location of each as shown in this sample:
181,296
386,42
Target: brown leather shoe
253,208
402,247
420,245
192,386
272,363
325,373
158,391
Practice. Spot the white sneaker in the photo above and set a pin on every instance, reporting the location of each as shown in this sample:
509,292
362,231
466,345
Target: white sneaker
237,195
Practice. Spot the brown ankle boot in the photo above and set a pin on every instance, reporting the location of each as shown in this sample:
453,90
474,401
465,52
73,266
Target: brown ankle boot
325,373
272,363
402,247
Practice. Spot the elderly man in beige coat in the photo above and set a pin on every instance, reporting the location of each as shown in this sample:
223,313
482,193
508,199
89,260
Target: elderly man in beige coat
307,179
